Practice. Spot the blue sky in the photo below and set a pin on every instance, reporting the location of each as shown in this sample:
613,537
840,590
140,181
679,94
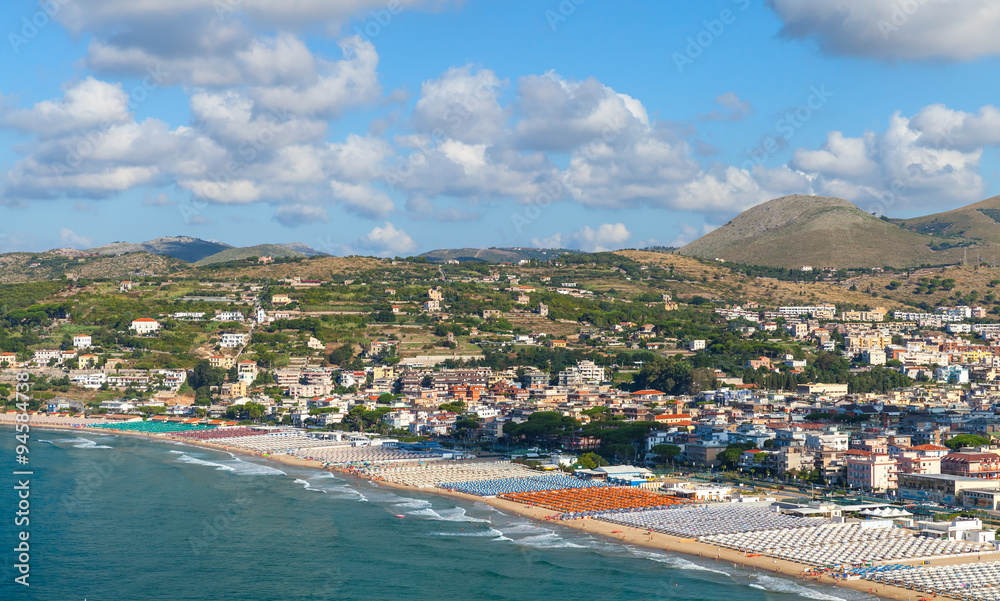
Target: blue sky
393,127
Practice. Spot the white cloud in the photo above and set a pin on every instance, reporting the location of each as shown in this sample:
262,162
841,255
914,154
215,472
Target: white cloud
339,85
607,236
892,170
895,29
553,241
463,105
839,157
562,115
89,103
299,214
940,126
387,241
68,237
362,199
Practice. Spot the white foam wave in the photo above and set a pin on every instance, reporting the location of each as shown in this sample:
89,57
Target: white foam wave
405,503
490,532
675,562
252,468
523,529
455,514
306,485
185,458
176,452
550,540
780,585
83,443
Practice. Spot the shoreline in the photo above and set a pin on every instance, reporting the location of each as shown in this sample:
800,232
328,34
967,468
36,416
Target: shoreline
615,532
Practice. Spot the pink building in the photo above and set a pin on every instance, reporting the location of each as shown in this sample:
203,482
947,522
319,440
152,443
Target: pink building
869,471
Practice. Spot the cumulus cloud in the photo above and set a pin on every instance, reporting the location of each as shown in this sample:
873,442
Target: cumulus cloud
387,241
100,15
957,30
89,103
299,214
940,126
463,105
68,237
892,169
210,42
562,115
607,236
553,241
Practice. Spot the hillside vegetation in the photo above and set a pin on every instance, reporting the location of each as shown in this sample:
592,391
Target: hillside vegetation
239,254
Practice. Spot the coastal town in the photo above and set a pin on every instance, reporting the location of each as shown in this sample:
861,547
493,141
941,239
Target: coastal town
855,423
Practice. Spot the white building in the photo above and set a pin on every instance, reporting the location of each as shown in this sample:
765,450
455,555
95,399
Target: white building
81,341
586,373
144,325
43,357
247,371
696,345
874,356
233,340
88,379
228,316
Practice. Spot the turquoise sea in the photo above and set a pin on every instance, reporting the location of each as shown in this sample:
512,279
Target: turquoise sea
116,518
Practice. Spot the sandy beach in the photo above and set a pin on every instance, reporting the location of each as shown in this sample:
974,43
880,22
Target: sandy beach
623,534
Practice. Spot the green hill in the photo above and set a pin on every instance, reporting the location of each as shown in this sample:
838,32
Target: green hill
238,254
184,248
818,231
979,222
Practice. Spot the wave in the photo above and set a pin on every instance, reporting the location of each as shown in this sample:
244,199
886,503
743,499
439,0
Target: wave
675,562
252,468
83,443
548,541
185,458
405,503
306,485
780,585
455,514
176,452
523,529
477,533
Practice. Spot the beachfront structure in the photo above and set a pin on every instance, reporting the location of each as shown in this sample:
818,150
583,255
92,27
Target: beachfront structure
972,465
846,544
940,488
870,471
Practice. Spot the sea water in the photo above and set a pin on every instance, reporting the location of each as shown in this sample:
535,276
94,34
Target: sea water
119,518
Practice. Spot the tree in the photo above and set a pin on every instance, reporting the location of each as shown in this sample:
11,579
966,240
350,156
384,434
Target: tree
453,407
542,427
589,461
966,440
206,375
667,452
731,456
